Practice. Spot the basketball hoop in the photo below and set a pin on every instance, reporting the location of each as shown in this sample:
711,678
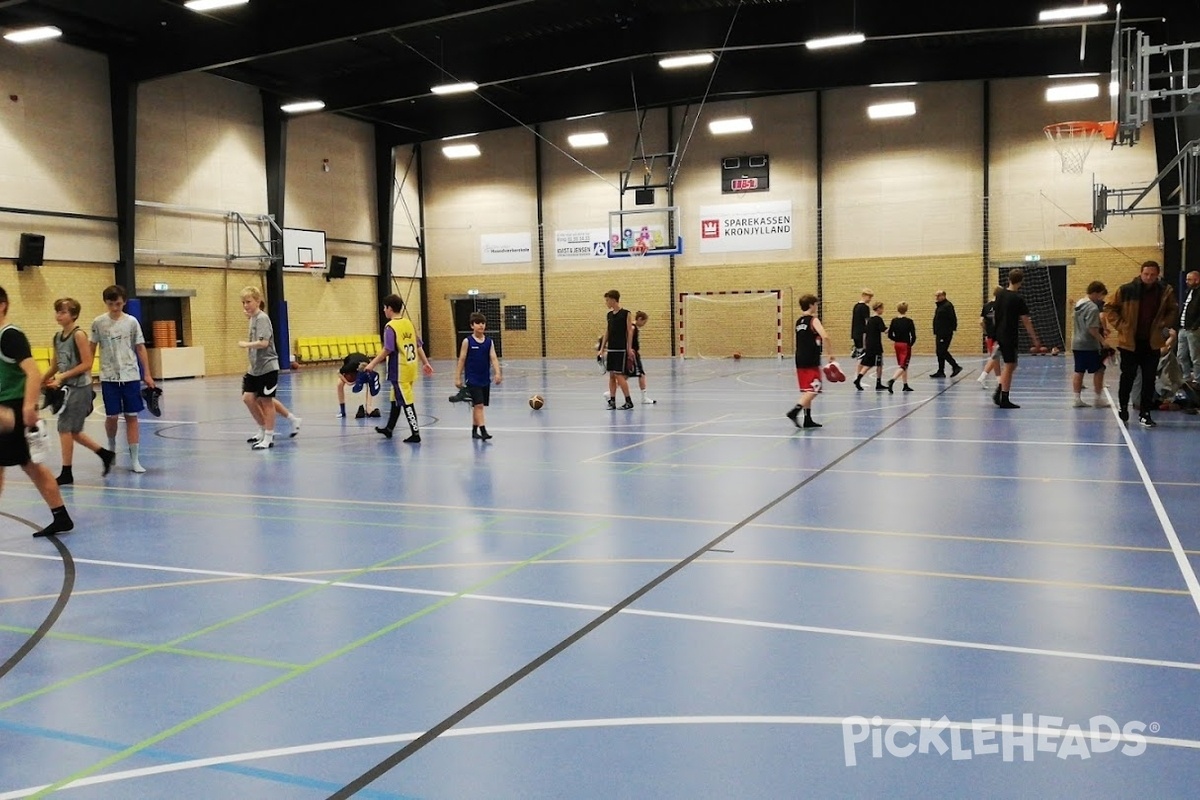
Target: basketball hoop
639,248
314,267
1074,141
1087,226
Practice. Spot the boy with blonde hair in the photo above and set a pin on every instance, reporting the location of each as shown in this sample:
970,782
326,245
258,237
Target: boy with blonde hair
261,380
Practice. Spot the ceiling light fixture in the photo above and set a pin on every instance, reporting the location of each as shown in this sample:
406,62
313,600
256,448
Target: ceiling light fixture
212,5
458,136
301,106
903,108
1073,12
461,150
585,116
690,60
34,34
1063,75
454,88
835,41
590,139
1072,91
731,125
891,85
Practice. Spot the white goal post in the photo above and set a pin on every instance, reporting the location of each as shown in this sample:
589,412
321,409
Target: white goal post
748,323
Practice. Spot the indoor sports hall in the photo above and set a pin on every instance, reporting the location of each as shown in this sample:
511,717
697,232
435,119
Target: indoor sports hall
937,589
687,599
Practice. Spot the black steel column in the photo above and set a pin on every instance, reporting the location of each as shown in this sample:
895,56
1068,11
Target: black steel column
123,101
385,216
419,163
987,192
275,139
541,230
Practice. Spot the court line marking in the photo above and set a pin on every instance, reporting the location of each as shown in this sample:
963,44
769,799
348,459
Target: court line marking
580,724
303,669
660,437
60,602
1185,566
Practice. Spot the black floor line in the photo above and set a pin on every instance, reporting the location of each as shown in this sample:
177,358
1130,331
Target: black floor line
394,760
64,594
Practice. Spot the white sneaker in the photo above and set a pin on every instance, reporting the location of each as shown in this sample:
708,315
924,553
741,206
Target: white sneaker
39,443
1101,402
607,396
1078,403
137,467
295,425
646,401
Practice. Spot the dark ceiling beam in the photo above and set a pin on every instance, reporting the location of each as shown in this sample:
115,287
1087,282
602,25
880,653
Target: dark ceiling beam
295,32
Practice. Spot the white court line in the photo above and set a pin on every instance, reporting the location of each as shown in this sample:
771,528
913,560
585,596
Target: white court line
747,623
661,436
611,722
1185,566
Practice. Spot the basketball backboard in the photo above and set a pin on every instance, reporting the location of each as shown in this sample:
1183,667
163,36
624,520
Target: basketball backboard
302,248
644,231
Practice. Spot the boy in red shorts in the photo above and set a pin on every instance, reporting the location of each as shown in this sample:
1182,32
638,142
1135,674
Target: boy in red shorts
810,336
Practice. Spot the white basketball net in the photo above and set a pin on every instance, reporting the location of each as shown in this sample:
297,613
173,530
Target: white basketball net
1074,141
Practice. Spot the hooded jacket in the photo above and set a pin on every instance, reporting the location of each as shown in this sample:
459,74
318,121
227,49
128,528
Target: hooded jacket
1124,306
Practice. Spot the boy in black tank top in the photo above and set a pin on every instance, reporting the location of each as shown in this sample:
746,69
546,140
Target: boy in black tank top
810,337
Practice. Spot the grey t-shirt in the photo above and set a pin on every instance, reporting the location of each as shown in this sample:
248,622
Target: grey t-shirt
264,359
1087,316
118,339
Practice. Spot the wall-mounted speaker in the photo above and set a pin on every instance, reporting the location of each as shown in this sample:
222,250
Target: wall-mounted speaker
337,268
33,246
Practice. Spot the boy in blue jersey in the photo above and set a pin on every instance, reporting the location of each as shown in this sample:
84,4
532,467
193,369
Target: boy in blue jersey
402,351
476,363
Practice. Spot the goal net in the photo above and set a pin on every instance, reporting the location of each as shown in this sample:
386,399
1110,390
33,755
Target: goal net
720,324
1044,289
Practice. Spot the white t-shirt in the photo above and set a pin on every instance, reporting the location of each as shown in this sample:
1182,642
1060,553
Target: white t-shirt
118,339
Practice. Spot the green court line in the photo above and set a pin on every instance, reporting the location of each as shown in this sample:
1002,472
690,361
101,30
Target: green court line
223,624
306,668
177,651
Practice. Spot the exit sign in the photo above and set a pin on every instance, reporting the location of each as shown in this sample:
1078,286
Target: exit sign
1033,257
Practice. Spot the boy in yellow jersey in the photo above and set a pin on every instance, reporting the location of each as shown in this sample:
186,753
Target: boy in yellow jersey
402,350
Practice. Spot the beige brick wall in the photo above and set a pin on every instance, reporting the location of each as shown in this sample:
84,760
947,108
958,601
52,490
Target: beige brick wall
31,295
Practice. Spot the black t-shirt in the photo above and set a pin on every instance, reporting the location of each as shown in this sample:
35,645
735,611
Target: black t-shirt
808,343
873,335
350,363
637,346
903,330
1010,307
858,322
618,327
989,319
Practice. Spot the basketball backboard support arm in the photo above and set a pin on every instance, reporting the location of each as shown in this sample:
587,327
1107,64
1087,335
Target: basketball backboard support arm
1128,202
1137,83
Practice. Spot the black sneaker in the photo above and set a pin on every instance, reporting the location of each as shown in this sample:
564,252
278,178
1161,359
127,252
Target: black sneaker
1146,421
387,432
996,396
414,439
612,404
1006,403
890,384
151,397
107,457
1123,414
808,423
793,416
957,369
374,413
53,399
627,404
361,413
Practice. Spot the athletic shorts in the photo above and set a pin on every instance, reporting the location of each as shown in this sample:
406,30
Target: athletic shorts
1088,361
988,343
480,395
122,397
903,354
14,450
1007,351
614,360
261,385
367,377
809,379
402,393
75,408
871,360
638,369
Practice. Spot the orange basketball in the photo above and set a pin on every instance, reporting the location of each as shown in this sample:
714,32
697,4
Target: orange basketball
536,402
737,356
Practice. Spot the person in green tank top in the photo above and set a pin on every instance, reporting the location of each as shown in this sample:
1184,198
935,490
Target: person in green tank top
20,387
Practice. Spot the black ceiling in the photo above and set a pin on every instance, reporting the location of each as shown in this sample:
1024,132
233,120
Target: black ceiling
542,60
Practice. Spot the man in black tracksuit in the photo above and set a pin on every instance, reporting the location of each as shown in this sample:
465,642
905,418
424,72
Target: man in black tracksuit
945,323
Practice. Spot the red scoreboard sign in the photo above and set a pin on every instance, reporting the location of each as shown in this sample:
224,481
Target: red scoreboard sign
741,174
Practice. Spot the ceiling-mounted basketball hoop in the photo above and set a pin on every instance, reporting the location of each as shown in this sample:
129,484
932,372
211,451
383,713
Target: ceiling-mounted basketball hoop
1087,226
1074,141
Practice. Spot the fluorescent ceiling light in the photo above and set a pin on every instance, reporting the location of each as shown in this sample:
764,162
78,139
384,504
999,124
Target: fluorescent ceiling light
731,125
454,88
211,5
461,150
835,41
1062,75
1072,91
1073,12
458,136
585,116
302,105
890,85
591,139
34,34
692,60
903,108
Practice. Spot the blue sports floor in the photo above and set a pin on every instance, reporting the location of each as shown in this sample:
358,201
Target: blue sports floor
927,597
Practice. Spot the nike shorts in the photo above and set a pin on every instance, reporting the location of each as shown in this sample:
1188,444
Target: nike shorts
261,385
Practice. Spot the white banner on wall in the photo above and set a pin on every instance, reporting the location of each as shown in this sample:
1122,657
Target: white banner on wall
505,248
578,244
746,226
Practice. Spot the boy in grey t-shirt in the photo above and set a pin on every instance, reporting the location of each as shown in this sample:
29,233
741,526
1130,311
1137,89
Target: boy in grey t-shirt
122,348
1086,344
261,380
